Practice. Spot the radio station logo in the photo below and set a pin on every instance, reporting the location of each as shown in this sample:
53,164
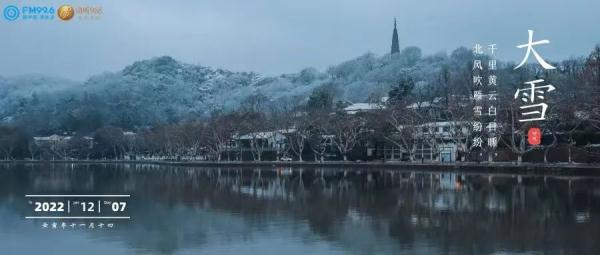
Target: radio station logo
11,12
63,12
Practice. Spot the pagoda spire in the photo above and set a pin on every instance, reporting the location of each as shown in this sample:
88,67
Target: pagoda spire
395,45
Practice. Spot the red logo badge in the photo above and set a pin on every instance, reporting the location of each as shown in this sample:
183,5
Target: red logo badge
534,136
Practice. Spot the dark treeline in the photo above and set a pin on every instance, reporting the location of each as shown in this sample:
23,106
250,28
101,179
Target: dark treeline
420,91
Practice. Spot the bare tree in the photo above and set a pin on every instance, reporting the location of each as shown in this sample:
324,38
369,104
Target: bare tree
81,145
8,141
319,140
347,131
460,120
588,92
403,126
255,127
33,148
110,140
220,130
187,137
517,137
298,135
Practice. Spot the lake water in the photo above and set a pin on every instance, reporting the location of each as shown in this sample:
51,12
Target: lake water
195,210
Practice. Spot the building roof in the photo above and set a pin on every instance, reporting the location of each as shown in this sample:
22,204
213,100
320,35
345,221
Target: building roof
425,104
265,135
53,137
360,107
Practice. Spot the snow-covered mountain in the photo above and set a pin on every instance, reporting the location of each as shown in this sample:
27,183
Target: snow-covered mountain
147,92
163,90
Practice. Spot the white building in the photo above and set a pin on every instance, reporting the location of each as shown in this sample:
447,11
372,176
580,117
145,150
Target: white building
53,142
433,141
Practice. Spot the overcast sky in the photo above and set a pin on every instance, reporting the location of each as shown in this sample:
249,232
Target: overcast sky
274,37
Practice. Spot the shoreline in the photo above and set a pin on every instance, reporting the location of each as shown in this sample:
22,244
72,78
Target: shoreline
490,168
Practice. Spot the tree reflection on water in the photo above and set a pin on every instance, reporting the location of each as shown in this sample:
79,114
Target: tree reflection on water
185,209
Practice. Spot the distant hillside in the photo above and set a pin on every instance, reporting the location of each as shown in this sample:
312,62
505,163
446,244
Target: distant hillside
163,90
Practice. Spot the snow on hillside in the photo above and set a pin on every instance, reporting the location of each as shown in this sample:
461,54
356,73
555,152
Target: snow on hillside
163,89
